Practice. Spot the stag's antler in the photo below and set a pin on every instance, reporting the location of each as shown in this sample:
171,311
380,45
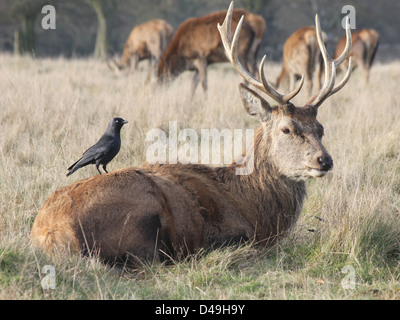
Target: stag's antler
329,87
230,46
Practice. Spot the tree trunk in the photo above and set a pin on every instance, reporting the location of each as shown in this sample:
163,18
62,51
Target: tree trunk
25,39
28,34
101,46
17,42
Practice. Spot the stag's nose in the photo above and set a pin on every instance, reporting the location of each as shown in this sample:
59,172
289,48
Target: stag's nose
326,162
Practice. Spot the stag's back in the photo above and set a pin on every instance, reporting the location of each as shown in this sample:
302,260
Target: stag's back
364,47
199,38
148,39
301,50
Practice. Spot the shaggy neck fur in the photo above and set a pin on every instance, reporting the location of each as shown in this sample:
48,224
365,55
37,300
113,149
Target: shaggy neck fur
276,199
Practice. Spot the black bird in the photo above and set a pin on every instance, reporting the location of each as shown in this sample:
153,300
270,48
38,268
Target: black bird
104,150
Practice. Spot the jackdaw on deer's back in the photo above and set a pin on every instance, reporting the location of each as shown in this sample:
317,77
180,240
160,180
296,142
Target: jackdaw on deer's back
104,150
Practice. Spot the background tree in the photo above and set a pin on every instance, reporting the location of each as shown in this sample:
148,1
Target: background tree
105,10
255,5
26,12
86,27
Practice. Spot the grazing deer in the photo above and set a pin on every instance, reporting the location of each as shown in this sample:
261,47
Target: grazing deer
301,56
197,44
143,213
146,41
365,45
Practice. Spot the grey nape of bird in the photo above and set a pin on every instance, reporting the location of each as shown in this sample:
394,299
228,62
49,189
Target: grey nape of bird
104,150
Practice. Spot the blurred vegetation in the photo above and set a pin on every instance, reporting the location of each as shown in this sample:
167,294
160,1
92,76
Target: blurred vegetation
105,10
26,12
100,27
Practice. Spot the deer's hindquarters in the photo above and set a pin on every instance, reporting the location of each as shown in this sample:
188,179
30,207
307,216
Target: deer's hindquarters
98,214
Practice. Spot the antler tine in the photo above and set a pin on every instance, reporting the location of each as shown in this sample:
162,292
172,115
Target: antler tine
292,94
329,87
231,49
283,99
344,80
347,48
230,46
225,31
266,87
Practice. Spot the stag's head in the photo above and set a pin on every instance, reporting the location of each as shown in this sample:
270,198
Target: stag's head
171,65
117,63
292,134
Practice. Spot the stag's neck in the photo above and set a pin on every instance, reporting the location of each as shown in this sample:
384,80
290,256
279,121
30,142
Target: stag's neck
126,57
171,64
273,197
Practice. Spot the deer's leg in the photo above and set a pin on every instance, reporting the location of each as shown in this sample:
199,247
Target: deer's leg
134,62
201,66
308,83
318,74
364,69
152,69
366,75
364,66
195,82
292,81
253,56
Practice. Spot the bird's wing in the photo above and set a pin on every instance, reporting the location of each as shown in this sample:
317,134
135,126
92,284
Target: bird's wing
102,147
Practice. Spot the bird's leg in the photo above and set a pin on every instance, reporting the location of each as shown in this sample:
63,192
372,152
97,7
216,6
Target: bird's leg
97,167
104,168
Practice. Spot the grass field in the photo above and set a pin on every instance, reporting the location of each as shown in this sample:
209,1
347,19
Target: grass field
51,110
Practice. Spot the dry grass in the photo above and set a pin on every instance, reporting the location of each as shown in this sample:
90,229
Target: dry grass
51,110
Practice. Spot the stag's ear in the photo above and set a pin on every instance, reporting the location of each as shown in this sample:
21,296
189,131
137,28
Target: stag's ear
254,104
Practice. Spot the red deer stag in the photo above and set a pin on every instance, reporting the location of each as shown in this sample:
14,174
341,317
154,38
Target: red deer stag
197,44
365,44
301,56
146,41
141,213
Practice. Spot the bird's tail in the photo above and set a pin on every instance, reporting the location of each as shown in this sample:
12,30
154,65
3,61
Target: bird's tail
73,168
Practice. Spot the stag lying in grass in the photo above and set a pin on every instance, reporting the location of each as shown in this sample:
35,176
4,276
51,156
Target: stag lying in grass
142,213
365,45
197,44
301,56
146,41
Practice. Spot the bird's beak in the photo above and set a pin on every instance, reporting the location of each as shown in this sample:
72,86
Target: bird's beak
125,121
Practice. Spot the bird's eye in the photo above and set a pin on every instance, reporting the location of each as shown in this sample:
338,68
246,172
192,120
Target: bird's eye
286,130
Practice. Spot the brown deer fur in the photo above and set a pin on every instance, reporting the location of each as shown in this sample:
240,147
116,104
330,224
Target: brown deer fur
197,44
148,213
365,45
133,213
301,56
146,41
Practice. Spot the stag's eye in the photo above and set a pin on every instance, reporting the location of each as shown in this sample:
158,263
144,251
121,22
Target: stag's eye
286,130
